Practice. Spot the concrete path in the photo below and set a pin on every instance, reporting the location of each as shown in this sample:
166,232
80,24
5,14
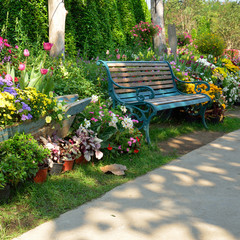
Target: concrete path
195,197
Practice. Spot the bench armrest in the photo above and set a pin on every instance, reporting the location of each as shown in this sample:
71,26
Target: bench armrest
197,84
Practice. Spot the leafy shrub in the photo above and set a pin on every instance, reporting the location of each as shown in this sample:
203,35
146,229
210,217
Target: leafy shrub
20,158
209,43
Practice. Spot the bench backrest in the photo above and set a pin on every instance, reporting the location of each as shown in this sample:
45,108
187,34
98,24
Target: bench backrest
157,75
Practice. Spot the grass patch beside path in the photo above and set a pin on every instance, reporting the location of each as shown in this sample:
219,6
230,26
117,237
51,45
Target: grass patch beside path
33,204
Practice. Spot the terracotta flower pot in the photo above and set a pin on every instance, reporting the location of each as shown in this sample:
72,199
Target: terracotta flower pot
68,165
81,160
41,175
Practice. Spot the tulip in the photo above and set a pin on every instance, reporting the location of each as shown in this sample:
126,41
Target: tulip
21,66
8,77
26,53
43,71
47,46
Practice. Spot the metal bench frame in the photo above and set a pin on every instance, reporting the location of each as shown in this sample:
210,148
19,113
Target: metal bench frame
147,87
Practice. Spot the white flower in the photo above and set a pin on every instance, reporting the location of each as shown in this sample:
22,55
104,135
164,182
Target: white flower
127,123
87,123
94,98
124,109
113,122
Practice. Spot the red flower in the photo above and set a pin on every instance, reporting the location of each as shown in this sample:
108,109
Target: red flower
109,147
137,139
16,79
136,151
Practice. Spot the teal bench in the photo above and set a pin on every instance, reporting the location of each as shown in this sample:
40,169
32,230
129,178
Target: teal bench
147,87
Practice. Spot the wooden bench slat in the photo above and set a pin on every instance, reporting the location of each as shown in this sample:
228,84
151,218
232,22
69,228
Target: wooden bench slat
131,74
146,83
123,64
121,90
133,69
138,79
178,98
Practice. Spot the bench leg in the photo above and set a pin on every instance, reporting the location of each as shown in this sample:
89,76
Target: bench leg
144,116
202,114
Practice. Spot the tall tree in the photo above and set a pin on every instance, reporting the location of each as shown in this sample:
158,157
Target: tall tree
157,11
57,18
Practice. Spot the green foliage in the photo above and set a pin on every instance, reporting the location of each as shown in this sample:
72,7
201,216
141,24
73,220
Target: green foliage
199,17
20,158
128,20
209,43
31,15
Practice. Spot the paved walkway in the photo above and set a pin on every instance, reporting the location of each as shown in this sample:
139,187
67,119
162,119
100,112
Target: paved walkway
195,197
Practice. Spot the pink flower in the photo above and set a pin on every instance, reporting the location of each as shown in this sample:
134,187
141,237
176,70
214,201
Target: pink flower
47,46
130,143
16,46
26,53
7,45
8,77
43,71
133,140
127,149
91,112
21,66
9,50
119,147
107,52
94,119
118,56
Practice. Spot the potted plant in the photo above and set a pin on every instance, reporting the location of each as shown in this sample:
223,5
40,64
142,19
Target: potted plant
88,144
54,158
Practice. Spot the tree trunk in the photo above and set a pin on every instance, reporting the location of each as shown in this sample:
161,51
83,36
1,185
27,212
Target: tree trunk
57,18
157,11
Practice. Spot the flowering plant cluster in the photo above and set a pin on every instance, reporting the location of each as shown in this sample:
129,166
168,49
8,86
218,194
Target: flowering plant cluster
113,126
144,32
184,39
23,72
17,105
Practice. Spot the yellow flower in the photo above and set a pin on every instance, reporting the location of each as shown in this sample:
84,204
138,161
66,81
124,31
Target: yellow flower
59,105
51,94
48,119
60,117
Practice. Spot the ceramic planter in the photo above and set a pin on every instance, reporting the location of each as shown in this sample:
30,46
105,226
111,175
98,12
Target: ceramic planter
41,175
68,165
81,160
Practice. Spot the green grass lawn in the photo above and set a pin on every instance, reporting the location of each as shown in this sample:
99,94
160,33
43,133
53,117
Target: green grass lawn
32,204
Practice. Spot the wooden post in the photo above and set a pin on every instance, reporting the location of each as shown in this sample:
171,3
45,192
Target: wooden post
157,11
172,39
57,18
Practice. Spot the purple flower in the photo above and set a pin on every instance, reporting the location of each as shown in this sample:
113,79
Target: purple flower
24,117
25,106
16,101
29,116
10,90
